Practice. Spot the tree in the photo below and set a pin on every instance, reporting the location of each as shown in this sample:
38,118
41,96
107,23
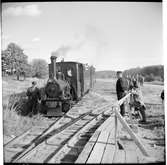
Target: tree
14,58
39,68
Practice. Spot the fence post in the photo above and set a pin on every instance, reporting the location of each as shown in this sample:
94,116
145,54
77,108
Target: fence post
130,110
133,136
116,125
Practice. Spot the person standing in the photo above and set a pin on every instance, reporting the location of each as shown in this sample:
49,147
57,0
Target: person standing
127,79
121,89
138,101
130,82
162,95
34,96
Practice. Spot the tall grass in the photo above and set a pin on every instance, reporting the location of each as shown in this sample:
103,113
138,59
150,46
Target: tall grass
15,124
15,110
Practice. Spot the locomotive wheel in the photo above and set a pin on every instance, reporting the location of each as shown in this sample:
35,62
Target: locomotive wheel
73,95
66,107
43,108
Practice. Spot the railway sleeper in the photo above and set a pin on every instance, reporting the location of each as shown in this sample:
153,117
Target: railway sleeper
72,131
11,149
52,135
74,127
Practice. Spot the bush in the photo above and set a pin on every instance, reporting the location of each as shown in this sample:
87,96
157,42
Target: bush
18,102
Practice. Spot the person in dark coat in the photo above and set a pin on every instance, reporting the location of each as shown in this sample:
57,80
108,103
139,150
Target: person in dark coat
34,96
162,96
121,88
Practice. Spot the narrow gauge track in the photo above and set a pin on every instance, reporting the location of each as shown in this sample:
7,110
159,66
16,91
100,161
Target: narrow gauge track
23,141
53,139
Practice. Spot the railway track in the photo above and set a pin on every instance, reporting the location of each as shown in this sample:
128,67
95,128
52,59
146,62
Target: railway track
45,145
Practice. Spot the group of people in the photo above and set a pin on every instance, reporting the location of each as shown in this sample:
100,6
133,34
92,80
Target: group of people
134,78
131,84
124,85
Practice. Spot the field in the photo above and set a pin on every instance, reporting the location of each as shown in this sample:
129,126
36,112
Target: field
153,134
14,124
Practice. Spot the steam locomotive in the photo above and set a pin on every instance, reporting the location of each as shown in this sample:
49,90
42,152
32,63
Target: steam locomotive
68,82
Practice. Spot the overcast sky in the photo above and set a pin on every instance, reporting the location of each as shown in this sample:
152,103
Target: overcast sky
109,35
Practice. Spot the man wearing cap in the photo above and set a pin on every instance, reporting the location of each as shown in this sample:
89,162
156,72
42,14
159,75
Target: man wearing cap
33,94
121,89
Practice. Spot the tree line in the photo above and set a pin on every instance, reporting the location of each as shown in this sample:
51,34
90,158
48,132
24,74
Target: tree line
15,62
150,73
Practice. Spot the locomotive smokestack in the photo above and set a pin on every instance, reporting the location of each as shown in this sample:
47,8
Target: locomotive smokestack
53,65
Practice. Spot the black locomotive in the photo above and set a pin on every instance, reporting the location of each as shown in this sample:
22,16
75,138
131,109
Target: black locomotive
68,81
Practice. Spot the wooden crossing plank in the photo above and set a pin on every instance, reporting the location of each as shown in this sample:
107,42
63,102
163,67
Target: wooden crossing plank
86,152
132,152
129,146
97,153
110,149
108,154
106,123
111,139
100,146
119,156
88,148
132,134
109,124
90,144
130,156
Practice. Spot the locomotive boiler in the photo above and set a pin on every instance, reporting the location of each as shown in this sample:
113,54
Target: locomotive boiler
68,82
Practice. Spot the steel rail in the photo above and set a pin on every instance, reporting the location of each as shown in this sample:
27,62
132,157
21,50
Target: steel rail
55,132
70,142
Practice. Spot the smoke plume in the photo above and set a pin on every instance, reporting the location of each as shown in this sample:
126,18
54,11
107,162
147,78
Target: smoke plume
86,47
62,51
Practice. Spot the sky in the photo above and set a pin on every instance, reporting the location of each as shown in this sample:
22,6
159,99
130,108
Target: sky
108,35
